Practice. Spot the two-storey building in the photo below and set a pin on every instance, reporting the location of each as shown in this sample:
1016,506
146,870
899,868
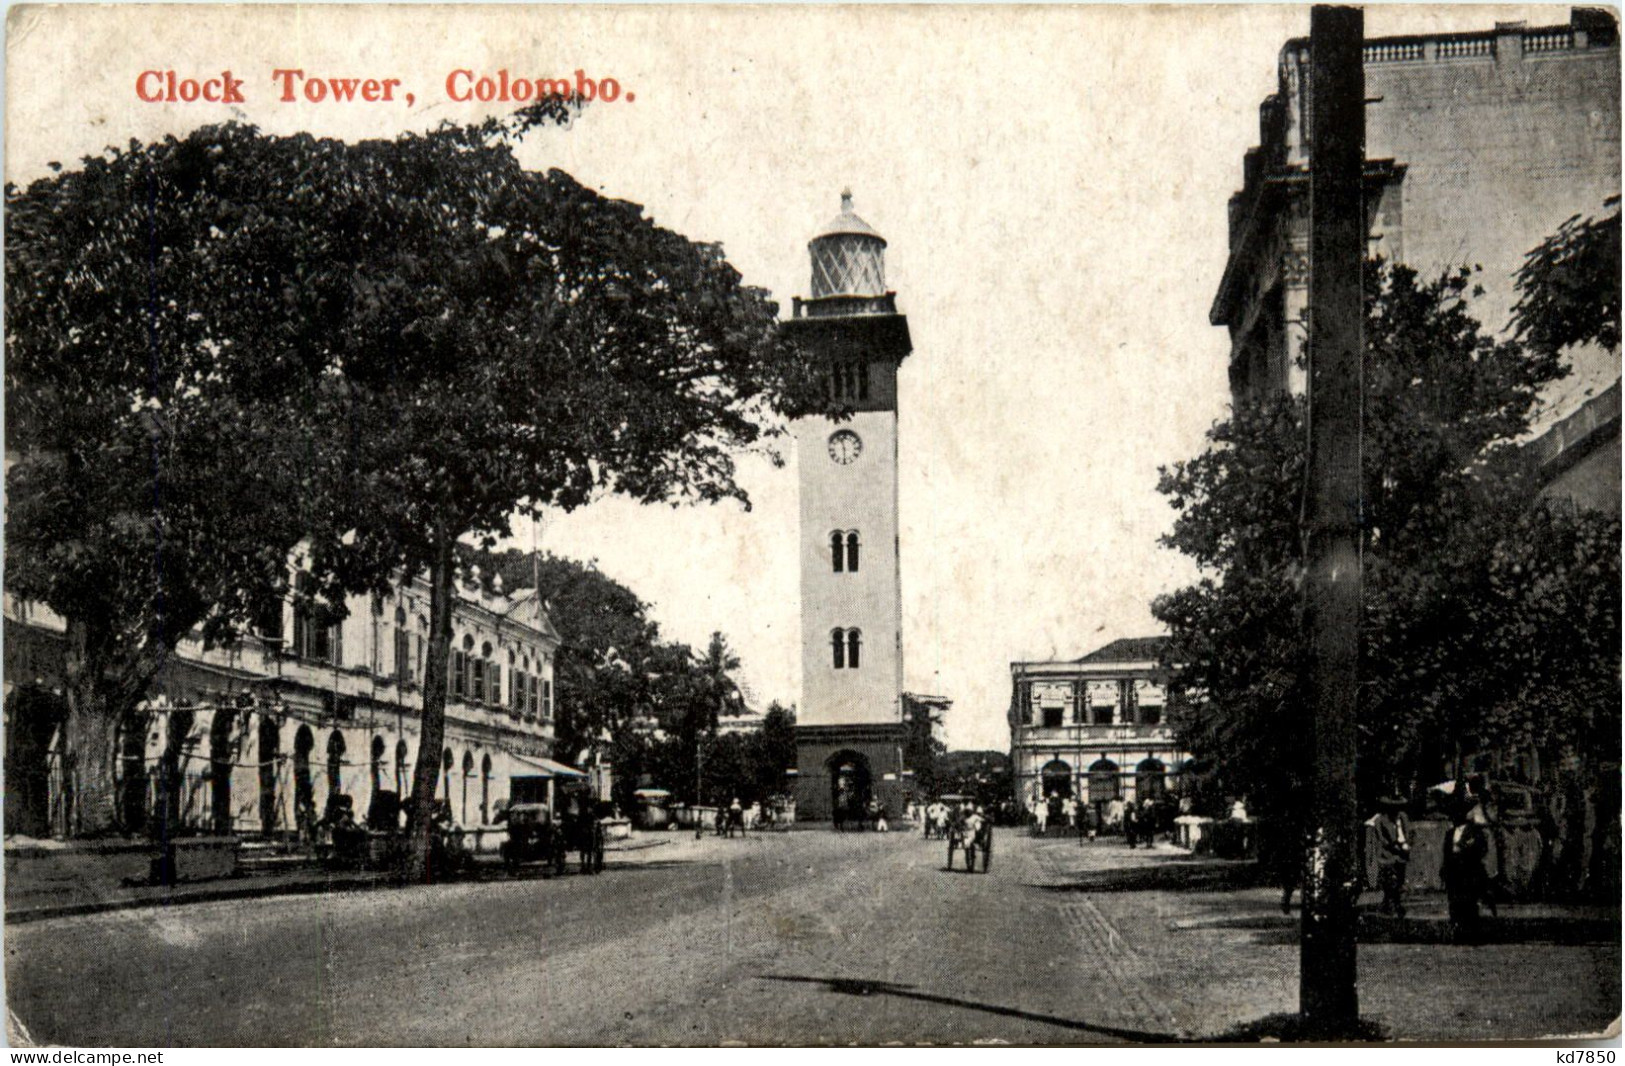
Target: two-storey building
253,738
1094,728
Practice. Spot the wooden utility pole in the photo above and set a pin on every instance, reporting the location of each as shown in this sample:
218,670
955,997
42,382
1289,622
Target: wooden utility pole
1328,997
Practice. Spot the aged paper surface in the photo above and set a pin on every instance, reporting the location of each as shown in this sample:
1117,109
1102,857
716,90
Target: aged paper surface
1054,186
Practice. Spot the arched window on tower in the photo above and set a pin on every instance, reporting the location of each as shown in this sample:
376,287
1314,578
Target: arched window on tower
863,381
852,551
854,641
837,554
837,644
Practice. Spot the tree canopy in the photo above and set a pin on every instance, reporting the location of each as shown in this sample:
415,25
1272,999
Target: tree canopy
1569,286
451,339
1451,541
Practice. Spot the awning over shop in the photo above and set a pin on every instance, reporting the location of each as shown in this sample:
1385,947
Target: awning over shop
536,766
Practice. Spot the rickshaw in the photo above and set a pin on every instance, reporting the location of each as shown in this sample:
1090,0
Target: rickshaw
981,841
532,837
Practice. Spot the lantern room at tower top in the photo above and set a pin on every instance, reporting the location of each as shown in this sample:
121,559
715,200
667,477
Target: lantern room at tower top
848,260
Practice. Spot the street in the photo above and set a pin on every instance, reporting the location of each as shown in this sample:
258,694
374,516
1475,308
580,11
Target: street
804,937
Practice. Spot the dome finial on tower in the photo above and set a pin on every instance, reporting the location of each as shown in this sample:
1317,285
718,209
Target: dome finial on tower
846,200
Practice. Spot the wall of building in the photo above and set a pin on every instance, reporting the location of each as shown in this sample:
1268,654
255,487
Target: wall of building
860,496
1102,709
880,747
245,714
1496,139
1580,456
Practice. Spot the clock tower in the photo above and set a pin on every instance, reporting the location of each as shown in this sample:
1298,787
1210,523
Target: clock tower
850,733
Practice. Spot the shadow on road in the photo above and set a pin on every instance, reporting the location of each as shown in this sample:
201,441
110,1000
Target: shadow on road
1547,929
852,987
1383,929
1171,873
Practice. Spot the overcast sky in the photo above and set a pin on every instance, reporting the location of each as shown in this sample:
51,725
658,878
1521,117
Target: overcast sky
1052,183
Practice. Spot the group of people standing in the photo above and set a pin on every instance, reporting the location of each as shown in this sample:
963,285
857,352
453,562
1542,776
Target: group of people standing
1465,865
1140,822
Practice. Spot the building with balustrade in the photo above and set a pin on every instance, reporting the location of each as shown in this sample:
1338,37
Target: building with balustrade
1478,146
252,739
1095,728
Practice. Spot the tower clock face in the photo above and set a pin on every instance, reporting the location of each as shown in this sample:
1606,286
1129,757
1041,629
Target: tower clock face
845,446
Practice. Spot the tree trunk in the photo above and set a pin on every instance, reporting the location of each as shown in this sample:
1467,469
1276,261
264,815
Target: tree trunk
88,755
432,735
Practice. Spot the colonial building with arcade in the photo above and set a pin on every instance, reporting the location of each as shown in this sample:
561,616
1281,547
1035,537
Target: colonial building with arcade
252,739
1095,728
850,731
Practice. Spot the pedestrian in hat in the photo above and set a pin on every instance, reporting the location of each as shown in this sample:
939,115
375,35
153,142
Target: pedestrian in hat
1393,853
1466,847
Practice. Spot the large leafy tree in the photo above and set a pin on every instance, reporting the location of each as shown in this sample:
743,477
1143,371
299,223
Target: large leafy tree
1444,404
461,340
517,342
160,366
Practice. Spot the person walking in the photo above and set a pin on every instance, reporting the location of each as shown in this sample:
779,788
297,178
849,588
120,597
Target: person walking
1148,821
1069,813
1393,830
1131,824
1466,847
1041,816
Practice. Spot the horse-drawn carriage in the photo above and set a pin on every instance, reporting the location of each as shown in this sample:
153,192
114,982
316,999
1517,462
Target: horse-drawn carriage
534,836
972,834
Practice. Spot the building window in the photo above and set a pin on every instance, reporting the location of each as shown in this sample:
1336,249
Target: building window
311,639
1150,779
547,700
477,690
1150,714
848,380
845,648
403,649
468,772
485,789
267,621
335,763
837,551
493,681
1104,783
458,665
1054,717
852,551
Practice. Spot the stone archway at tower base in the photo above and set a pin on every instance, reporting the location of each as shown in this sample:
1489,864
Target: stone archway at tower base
880,746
